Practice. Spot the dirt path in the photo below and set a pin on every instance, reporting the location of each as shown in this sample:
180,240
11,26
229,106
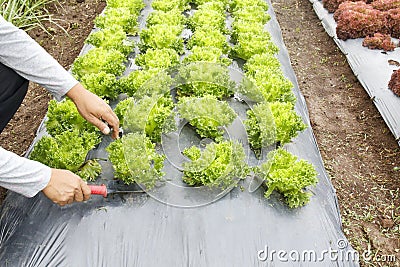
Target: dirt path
358,149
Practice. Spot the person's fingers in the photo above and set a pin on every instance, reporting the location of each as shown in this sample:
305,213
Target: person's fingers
64,187
99,124
64,202
85,190
112,121
67,198
78,195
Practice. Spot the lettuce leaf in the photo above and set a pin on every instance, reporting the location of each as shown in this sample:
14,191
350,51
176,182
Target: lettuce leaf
158,58
289,176
274,86
121,109
207,54
97,60
134,6
200,79
167,5
260,127
249,45
113,37
171,17
135,160
162,36
239,4
207,19
288,123
218,165
118,16
209,38
145,82
255,14
64,117
260,62
207,115
67,150
103,84
148,115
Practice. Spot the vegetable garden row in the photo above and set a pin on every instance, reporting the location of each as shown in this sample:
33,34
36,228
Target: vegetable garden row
377,70
159,90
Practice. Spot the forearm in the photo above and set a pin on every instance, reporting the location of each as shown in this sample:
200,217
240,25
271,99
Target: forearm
22,175
21,53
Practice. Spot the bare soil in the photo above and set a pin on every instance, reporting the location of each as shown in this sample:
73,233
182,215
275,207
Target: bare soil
359,152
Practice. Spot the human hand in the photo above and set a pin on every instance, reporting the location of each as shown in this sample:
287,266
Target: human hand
94,109
65,187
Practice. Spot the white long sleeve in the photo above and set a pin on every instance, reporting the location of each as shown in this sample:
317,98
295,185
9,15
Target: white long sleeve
22,175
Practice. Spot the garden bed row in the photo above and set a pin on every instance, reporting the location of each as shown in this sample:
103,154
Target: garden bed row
198,93
373,68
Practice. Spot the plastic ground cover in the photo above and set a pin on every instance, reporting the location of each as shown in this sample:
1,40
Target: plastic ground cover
371,67
240,229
